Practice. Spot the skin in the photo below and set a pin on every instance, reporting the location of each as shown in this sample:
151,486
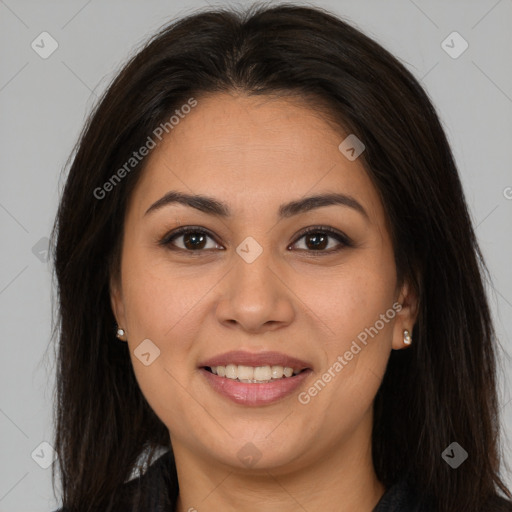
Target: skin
254,154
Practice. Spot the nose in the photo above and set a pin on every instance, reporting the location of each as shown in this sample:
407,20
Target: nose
255,296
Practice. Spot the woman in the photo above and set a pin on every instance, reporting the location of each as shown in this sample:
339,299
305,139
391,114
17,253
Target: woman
265,212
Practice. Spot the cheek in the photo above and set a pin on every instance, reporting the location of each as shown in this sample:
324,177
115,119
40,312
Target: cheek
161,305
161,301
354,311
349,299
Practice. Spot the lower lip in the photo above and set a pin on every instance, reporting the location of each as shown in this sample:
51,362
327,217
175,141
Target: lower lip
254,394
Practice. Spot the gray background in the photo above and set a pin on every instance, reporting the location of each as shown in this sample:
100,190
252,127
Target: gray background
43,105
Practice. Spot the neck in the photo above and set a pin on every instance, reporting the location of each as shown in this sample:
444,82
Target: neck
341,480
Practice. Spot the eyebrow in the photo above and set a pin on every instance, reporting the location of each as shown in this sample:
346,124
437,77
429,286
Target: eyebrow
217,208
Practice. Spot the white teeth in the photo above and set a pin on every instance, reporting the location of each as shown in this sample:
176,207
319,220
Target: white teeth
262,373
231,371
251,374
277,372
245,372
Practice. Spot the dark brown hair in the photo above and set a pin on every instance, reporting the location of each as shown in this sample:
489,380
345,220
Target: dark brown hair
442,389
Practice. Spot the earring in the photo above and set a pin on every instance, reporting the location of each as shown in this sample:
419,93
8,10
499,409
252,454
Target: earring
407,337
120,333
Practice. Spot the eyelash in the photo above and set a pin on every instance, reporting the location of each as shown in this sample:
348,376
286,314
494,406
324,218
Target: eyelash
344,240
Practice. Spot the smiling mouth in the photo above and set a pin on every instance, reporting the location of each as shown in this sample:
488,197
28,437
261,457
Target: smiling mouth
254,374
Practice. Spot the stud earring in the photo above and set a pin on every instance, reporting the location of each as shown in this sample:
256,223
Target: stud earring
120,333
407,337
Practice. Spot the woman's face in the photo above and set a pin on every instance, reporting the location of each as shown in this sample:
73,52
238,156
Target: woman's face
248,292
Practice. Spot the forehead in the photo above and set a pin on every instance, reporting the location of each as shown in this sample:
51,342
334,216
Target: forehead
253,152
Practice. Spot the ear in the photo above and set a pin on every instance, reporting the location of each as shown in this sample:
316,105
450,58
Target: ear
116,301
406,316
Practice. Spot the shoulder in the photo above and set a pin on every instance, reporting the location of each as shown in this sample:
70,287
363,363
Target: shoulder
155,486
153,491
498,504
403,497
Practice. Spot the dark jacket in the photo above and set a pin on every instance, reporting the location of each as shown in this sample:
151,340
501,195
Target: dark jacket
400,497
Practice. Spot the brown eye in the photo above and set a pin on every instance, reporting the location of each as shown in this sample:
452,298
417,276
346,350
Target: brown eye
189,239
194,241
317,239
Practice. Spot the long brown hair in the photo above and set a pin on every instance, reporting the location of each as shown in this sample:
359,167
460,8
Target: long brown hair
442,389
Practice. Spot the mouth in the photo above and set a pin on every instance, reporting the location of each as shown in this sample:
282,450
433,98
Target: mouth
254,379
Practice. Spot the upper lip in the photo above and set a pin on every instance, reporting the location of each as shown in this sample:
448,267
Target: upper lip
241,357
